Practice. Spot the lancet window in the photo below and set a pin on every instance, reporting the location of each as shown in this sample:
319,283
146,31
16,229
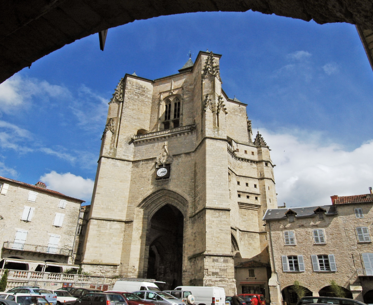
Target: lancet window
172,113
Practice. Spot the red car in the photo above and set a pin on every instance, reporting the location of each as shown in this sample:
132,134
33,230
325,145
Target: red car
132,299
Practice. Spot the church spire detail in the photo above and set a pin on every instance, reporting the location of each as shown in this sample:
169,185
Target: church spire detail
259,141
118,94
210,67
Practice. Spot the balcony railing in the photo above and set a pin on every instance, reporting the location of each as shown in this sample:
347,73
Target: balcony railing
36,248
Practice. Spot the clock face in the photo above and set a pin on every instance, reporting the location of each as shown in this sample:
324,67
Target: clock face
162,172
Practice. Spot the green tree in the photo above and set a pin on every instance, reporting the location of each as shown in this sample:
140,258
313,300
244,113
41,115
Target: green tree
337,290
4,280
299,290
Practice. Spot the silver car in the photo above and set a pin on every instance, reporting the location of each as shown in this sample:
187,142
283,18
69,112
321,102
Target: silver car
158,298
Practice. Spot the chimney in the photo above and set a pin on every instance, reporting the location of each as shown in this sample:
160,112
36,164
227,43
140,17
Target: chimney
370,190
334,198
41,184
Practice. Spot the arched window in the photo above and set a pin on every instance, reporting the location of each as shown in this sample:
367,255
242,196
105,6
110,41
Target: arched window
172,113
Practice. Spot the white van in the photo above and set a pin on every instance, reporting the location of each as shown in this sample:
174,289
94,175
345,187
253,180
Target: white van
129,286
205,295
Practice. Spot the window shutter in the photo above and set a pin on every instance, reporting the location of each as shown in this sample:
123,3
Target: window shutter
32,195
316,236
333,266
292,237
19,239
286,236
62,204
368,263
285,266
53,243
30,214
4,189
321,236
315,263
359,232
56,219
301,263
61,219
365,233
25,213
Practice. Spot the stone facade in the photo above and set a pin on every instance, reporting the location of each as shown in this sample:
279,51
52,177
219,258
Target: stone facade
317,245
38,227
191,225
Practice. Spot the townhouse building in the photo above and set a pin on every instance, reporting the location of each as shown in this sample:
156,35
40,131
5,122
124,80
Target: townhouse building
319,246
38,227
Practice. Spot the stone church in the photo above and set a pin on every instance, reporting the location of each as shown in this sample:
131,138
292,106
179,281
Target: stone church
181,186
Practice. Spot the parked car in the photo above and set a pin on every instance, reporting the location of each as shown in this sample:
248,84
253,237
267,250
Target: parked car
328,301
158,298
241,300
27,299
131,298
80,292
205,295
69,289
49,295
260,297
184,295
7,302
64,297
134,286
102,298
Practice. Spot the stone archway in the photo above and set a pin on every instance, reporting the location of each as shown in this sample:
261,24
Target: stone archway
164,224
290,295
165,243
327,291
368,297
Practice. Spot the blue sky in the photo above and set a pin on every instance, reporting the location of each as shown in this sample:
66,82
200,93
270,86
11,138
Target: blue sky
308,88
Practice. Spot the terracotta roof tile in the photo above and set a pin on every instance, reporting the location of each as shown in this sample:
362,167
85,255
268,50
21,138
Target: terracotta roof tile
39,189
354,199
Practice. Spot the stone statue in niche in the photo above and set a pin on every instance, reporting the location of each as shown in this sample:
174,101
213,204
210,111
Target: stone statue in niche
164,157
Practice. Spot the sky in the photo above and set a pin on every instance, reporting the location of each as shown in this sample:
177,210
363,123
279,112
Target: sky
308,88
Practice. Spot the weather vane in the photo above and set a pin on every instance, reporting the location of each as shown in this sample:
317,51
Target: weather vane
190,54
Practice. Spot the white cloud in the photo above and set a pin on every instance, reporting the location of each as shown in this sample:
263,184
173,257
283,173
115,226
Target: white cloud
299,55
17,91
308,171
58,154
90,109
330,68
6,171
69,184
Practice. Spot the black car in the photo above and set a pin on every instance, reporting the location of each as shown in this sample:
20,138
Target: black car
103,298
80,292
328,301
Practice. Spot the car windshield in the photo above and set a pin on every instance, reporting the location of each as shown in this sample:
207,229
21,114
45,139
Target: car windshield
166,296
187,293
28,300
132,297
42,291
115,298
153,288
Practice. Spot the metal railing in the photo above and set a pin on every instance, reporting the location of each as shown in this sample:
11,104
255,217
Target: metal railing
37,248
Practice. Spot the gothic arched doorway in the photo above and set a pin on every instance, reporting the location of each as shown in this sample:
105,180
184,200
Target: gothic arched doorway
165,241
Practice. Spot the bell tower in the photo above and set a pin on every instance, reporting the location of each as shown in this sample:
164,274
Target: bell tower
181,187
